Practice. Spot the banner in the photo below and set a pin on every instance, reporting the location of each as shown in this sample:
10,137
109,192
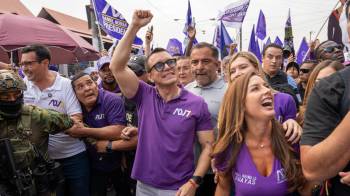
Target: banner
233,14
111,21
174,47
334,29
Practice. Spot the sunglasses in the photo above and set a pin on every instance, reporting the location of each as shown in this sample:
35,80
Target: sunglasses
304,70
331,49
161,65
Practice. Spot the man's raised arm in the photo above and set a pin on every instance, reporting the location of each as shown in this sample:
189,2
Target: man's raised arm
126,78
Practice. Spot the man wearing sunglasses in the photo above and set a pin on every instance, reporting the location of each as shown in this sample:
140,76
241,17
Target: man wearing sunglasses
305,70
330,50
170,118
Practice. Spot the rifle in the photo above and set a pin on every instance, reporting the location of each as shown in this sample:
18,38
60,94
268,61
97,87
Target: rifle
20,180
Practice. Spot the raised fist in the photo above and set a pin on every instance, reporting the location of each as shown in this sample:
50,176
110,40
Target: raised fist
141,18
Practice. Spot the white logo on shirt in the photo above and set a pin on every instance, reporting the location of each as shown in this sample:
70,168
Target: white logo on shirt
180,112
245,179
281,176
99,116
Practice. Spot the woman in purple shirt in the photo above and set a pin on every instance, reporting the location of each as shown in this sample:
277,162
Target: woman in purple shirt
284,105
251,152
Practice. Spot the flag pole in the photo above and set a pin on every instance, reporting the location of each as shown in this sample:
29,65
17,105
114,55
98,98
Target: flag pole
240,39
98,25
324,23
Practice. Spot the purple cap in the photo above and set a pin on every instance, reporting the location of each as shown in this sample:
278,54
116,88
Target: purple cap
102,61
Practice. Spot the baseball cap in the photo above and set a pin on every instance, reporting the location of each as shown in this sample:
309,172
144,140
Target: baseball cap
102,61
137,64
89,70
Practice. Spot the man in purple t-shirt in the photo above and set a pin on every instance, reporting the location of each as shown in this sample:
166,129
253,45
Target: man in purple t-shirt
170,119
104,113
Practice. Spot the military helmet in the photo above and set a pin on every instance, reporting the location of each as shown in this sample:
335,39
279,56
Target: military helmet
9,80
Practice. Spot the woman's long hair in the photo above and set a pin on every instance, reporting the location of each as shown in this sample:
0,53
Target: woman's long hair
312,81
232,129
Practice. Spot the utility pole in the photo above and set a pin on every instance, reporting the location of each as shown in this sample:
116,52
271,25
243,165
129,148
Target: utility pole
93,24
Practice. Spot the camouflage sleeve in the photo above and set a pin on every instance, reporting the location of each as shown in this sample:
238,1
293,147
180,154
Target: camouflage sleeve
51,120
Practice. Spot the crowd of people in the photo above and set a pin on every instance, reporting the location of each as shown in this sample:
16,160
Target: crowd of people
163,125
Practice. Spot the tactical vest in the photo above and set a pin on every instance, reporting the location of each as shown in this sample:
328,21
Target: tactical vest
19,132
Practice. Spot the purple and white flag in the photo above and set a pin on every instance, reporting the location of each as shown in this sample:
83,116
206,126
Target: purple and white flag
174,47
111,21
222,40
189,23
233,14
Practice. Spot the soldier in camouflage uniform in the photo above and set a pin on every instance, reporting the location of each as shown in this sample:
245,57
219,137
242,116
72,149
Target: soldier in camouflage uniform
27,127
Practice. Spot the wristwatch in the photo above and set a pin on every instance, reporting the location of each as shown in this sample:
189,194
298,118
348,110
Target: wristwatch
197,179
109,147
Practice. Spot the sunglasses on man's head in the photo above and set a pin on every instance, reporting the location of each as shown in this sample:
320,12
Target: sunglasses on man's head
331,49
304,70
161,65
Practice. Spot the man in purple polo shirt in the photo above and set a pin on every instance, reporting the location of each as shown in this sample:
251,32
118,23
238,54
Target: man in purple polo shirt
108,82
104,113
170,119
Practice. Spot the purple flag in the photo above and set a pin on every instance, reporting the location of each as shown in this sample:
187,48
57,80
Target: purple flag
278,41
302,52
222,40
233,14
253,46
258,51
189,23
174,47
111,21
261,27
268,41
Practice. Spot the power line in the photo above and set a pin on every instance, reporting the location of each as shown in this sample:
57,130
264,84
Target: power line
158,10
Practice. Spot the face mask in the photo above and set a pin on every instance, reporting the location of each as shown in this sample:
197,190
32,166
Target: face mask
11,109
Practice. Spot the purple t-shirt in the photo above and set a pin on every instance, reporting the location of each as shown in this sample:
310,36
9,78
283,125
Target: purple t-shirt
248,181
285,107
116,90
109,110
164,156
